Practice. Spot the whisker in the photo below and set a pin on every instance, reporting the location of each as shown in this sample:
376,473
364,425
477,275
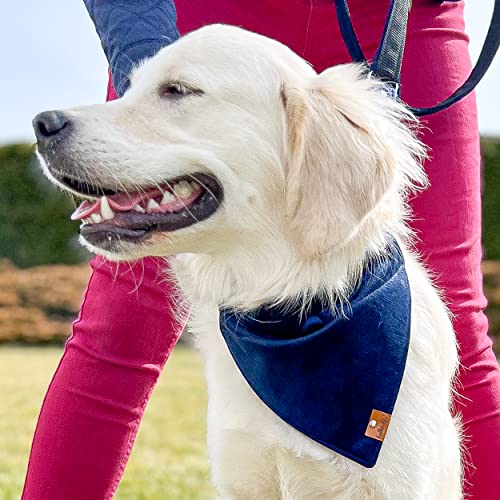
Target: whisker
102,262
137,284
205,187
141,279
114,177
124,190
117,270
181,200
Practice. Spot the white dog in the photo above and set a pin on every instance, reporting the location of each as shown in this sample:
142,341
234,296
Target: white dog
270,184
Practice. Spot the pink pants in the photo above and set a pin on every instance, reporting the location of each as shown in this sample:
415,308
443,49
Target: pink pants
123,337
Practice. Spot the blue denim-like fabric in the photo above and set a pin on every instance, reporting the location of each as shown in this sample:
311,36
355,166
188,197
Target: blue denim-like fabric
131,31
324,373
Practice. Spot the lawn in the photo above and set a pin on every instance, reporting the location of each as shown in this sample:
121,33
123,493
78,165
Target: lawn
169,458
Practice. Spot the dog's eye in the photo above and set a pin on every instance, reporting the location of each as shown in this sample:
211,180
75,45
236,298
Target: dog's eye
176,90
173,89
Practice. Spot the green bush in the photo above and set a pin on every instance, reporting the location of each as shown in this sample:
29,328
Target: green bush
34,216
491,197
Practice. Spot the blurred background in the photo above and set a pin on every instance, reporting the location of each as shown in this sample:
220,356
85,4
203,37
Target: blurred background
51,59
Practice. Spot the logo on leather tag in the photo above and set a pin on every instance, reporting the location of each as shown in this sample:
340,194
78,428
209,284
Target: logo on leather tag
378,425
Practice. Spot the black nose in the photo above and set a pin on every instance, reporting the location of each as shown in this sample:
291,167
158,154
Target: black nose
49,124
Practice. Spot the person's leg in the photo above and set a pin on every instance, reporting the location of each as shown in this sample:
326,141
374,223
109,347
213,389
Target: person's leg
282,20
91,413
447,215
95,402
448,221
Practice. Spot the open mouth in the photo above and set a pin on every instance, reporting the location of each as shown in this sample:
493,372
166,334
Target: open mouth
135,216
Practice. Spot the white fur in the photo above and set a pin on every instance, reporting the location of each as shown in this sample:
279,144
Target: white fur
316,170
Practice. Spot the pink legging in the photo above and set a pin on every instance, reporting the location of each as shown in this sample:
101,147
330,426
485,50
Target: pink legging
125,331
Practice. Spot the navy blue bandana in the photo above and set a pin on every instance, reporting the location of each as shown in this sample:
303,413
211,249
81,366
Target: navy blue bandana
333,377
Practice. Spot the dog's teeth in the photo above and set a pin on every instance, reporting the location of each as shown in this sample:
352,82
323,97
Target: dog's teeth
167,198
186,186
96,218
152,204
106,211
183,189
177,189
138,208
194,185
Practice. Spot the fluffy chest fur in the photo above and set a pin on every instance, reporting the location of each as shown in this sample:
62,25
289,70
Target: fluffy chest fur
255,455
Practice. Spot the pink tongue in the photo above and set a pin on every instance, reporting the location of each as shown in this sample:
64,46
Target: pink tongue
121,202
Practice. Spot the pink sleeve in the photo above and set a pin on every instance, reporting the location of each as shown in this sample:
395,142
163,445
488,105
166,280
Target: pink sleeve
92,410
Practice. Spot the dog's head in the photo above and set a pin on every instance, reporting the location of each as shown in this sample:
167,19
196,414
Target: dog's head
229,139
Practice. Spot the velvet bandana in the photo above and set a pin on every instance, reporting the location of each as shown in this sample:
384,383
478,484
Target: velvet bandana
332,376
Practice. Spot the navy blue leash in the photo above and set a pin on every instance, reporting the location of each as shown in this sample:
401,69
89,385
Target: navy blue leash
388,59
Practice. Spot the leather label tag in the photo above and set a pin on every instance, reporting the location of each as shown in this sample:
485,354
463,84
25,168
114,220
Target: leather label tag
378,425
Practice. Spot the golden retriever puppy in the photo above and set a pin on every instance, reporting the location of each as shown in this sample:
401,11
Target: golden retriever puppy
280,193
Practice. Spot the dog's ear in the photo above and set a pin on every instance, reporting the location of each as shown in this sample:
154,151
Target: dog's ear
340,161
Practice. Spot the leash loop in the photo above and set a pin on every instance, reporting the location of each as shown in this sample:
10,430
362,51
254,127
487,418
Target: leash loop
484,61
347,30
389,57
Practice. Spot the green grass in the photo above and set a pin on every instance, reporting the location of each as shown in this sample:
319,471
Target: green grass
169,459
